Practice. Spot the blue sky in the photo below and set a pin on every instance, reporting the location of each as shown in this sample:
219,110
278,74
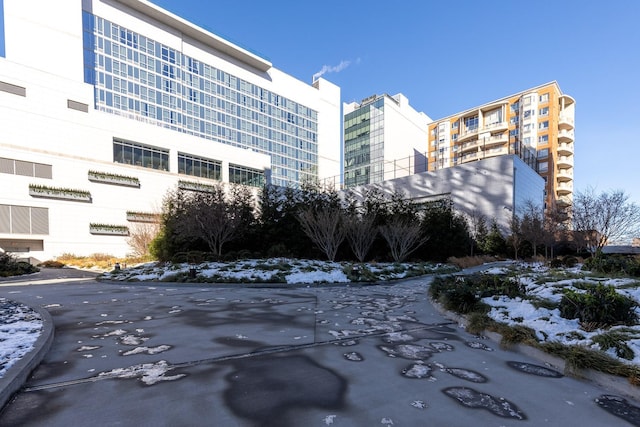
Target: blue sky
447,56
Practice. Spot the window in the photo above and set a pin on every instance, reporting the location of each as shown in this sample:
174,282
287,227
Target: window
544,111
514,120
543,167
544,125
529,113
246,176
471,123
199,166
543,153
454,125
543,139
544,97
147,156
493,117
513,132
515,107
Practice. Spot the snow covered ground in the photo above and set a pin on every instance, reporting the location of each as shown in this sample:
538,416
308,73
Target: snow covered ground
541,283
274,270
20,327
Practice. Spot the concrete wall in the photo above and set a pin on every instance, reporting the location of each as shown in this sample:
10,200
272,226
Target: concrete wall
494,187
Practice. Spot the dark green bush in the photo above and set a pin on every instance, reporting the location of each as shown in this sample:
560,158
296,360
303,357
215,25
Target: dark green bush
10,266
600,304
614,264
555,263
463,294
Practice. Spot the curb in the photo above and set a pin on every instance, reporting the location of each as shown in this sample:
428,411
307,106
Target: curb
17,374
612,383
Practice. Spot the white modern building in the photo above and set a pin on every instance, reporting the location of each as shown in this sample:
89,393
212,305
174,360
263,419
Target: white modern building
494,188
384,138
107,104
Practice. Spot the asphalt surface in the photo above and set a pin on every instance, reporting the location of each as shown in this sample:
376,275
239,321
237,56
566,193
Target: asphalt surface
175,355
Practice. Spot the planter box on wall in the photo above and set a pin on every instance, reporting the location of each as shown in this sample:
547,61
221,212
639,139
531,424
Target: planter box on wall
142,217
108,229
59,193
114,179
195,186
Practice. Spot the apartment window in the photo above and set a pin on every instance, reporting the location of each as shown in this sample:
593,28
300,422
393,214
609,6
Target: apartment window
513,132
529,113
527,140
515,107
147,156
544,111
493,117
471,123
544,97
199,166
544,125
543,167
543,139
514,120
454,125
544,153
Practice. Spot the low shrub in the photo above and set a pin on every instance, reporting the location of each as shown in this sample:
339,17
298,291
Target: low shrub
614,264
51,264
470,261
600,304
10,266
616,341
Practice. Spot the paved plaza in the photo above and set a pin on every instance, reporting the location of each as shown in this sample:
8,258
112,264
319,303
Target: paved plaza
150,354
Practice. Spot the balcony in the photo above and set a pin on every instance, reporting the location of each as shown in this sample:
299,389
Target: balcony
565,135
565,162
565,122
564,201
565,148
470,146
469,157
495,127
467,134
564,188
564,175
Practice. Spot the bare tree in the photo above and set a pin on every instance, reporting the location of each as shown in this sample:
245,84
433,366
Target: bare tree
403,236
604,218
515,238
213,218
324,228
555,226
532,225
360,232
477,223
141,234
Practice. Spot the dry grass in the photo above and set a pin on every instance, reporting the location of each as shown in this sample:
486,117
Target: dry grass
470,261
98,261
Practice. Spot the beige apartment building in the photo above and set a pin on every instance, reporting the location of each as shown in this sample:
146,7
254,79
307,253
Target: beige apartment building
536,124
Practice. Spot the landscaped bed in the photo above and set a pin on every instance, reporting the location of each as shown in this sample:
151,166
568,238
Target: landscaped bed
590,320
275,270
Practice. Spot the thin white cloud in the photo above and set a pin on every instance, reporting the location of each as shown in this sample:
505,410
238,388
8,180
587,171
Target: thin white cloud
332,69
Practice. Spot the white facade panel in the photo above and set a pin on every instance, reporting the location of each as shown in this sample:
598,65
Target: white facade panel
51,120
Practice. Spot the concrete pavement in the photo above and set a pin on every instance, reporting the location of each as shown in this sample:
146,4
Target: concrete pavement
181,355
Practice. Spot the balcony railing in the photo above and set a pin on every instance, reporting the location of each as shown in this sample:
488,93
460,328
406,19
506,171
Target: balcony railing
565,122
565,161
565,175
565,148
565,135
